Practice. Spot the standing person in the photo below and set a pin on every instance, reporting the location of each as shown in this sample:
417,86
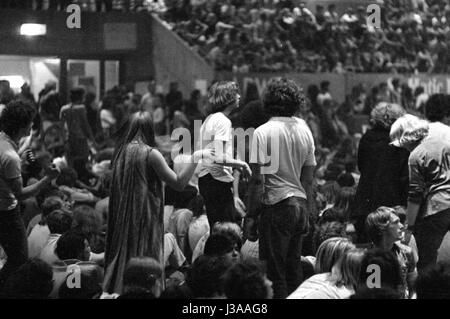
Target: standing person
216,179
286,188
136,207
74,116
15,123
383,168
150,101
429,182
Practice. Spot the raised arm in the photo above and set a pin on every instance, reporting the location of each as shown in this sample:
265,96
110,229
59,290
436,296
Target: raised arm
167,175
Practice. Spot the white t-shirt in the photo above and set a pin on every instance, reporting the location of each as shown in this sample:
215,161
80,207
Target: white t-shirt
215,130
320,287
290,144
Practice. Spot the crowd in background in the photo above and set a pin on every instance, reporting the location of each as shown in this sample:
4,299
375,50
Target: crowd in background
270,36
284,35
67,220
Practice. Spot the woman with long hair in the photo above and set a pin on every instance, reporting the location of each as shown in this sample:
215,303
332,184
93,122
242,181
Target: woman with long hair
136,208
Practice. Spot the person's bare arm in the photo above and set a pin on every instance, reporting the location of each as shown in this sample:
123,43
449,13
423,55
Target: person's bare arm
167,175
20,192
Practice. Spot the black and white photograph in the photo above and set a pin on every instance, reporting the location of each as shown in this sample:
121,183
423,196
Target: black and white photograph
229,150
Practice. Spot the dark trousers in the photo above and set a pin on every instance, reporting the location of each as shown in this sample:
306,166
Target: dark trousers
281,229
218,199
430,232
13,239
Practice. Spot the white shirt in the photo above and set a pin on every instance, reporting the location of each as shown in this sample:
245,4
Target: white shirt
290,144
48,252
215,130
37,240
320,287
197,229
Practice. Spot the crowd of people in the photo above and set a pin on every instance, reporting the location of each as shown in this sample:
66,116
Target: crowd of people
92,205
284,35
279,36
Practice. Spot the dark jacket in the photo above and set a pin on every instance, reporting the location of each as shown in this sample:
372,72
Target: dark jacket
384,173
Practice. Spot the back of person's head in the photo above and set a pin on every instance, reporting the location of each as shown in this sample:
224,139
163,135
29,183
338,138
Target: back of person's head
385,114
15,116
345,201
86,220
327,230
283,97
247,280
77,95
222,95
332,214
205,278
386,262
377,222
437,107
139,127
330,191
59,221
72,245
329,252
67,177
197,206
408,130
376,293
49,205
33,280
142,274
346,271
434,282
89,285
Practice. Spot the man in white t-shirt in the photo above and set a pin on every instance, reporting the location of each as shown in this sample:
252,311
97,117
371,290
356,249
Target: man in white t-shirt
216,179
285,177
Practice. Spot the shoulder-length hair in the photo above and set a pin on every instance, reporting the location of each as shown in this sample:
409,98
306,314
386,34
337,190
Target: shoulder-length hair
329,252
346,271
407,130
139,128
221,95
377,222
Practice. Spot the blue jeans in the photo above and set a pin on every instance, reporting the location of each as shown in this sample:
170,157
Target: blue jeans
281,230
13,239
430,232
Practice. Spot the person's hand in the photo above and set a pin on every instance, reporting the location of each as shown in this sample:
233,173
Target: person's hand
251,228
240,207
52,171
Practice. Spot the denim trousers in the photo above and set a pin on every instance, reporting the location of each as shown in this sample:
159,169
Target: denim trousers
430,231
13,239
281,230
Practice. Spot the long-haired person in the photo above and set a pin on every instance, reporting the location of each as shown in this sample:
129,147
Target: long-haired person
429,183
216,179
136,208
384,168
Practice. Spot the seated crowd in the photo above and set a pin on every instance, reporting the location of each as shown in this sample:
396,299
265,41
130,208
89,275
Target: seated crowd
67,220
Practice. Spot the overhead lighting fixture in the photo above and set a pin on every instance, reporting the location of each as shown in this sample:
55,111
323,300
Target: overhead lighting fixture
33,29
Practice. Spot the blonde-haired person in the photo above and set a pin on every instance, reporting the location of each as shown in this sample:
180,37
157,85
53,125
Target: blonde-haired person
386,231
429,184
337,272
383,168
216,179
